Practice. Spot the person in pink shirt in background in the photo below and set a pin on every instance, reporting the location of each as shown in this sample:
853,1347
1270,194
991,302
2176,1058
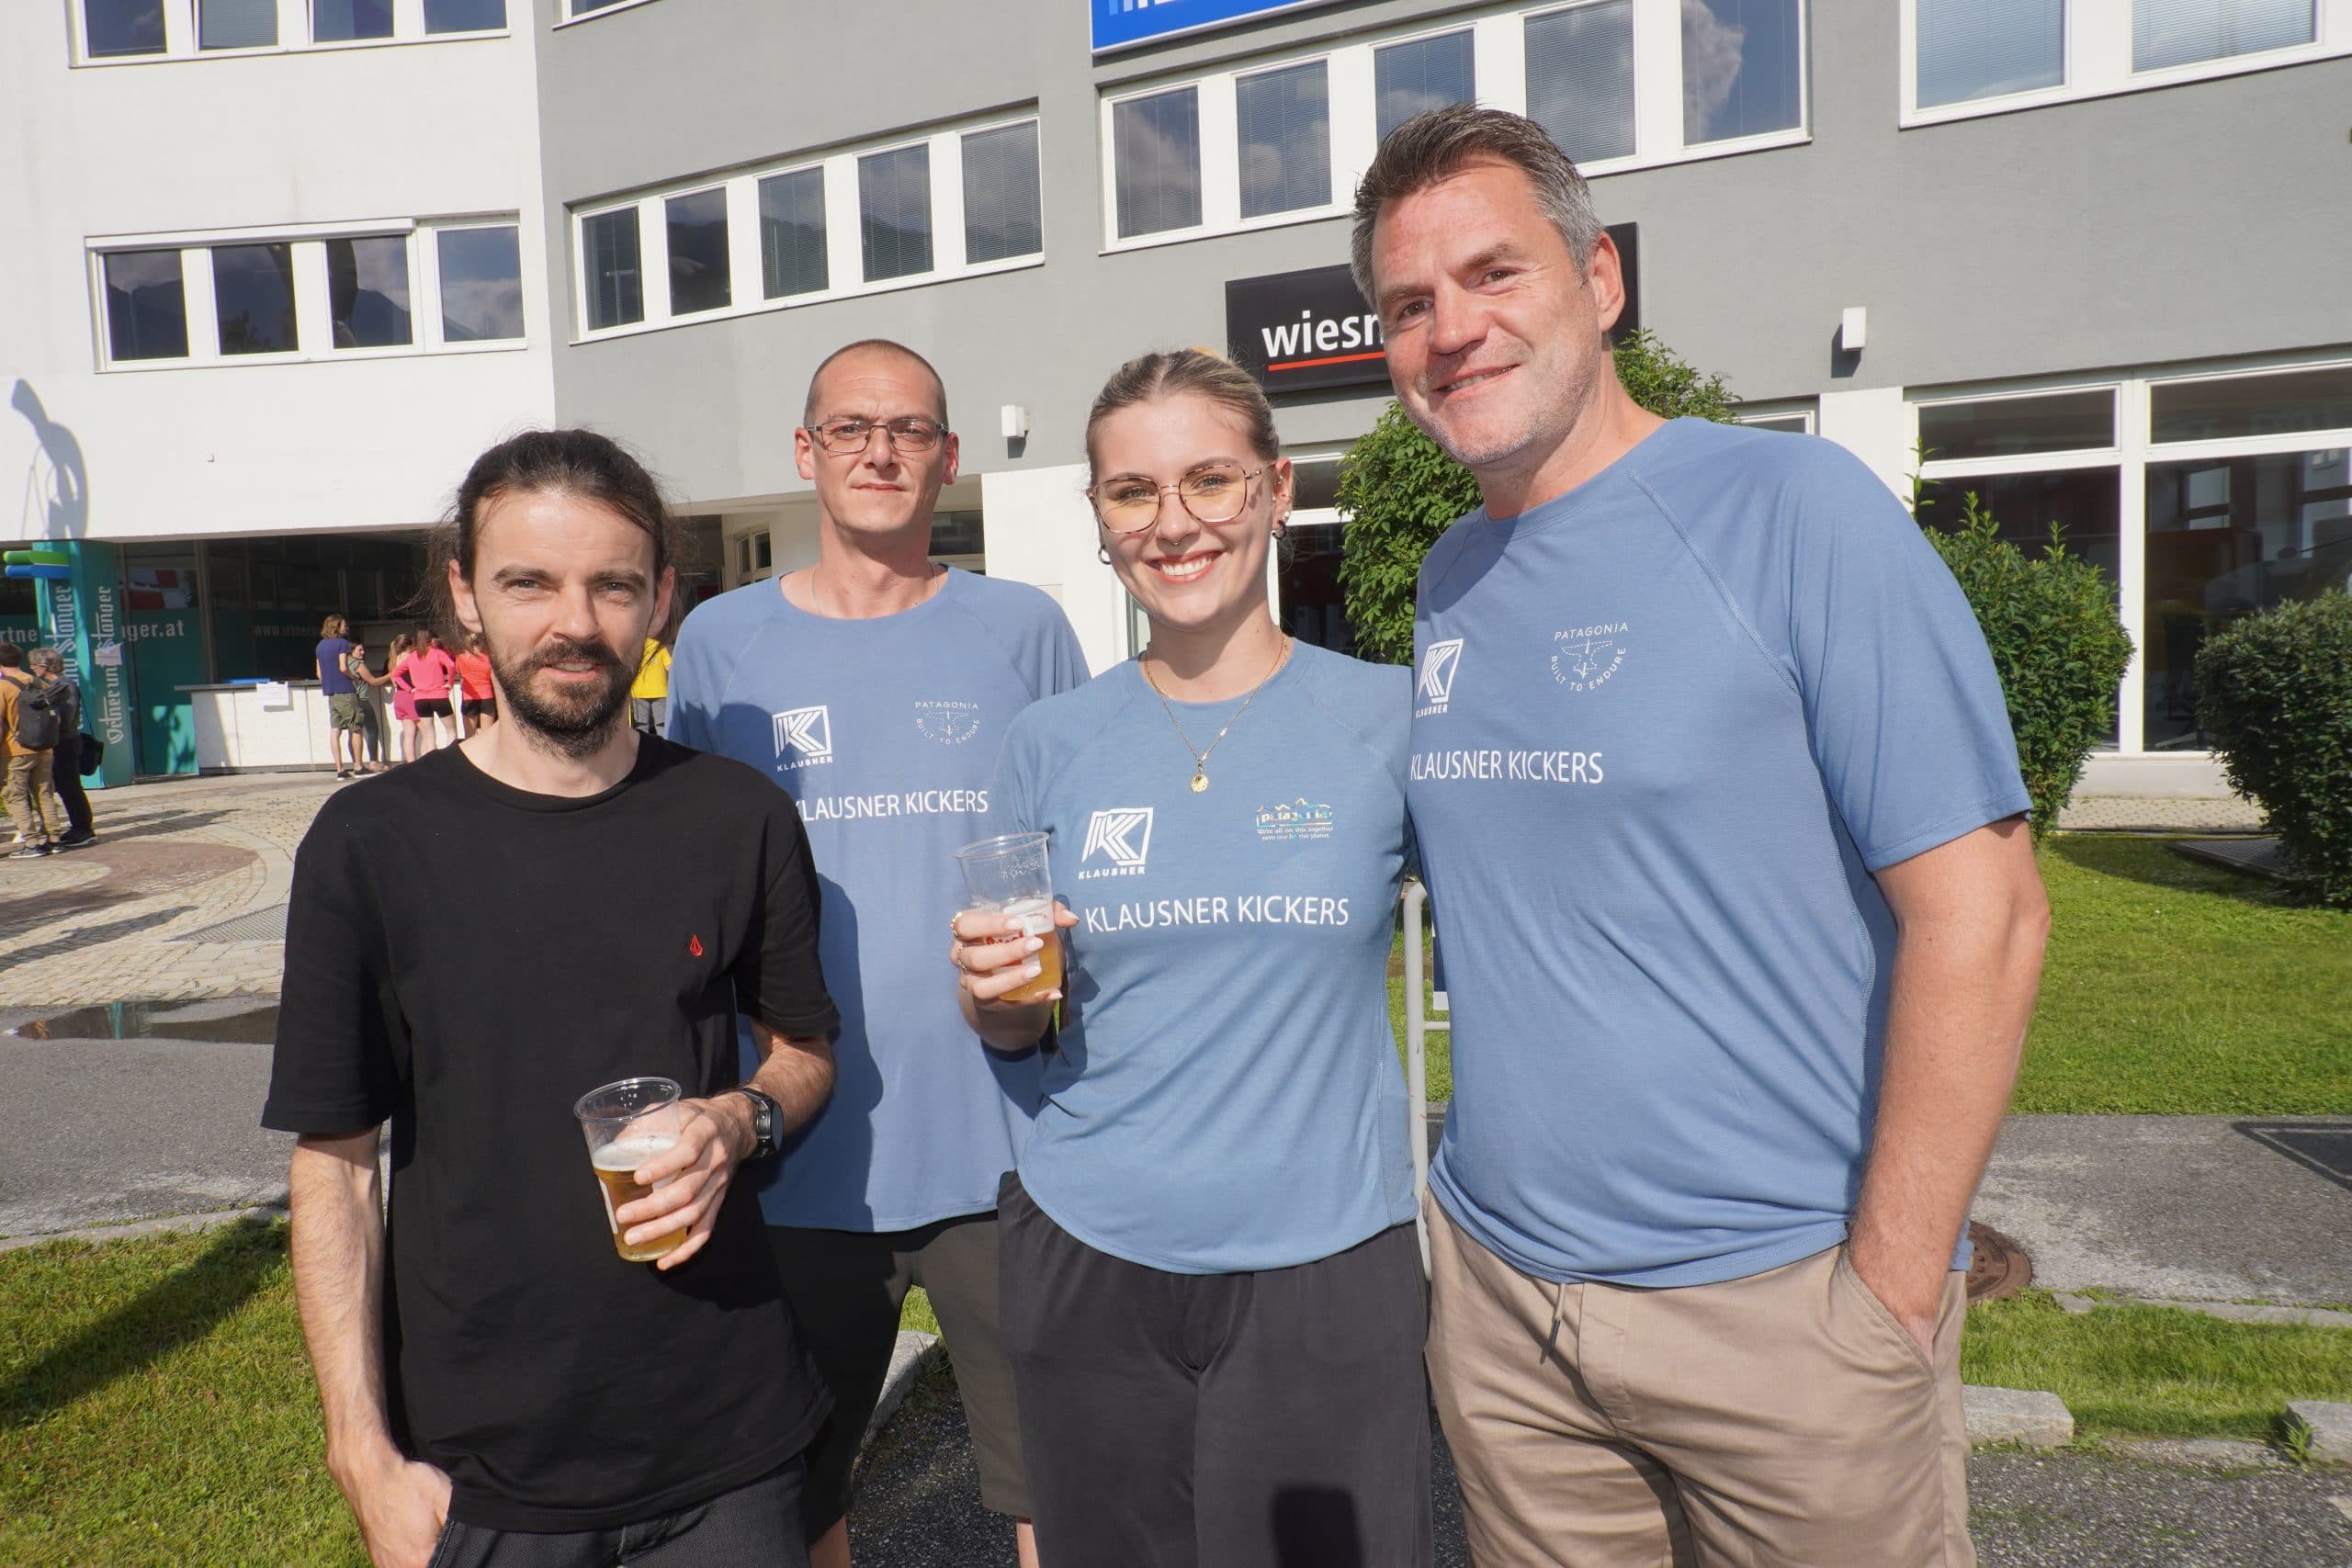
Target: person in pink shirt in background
430,673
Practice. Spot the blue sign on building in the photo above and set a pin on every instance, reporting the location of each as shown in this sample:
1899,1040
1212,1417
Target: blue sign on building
1118,23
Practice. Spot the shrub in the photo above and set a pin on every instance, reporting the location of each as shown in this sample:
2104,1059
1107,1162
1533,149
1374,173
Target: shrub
2057,642
1400,491
2274,692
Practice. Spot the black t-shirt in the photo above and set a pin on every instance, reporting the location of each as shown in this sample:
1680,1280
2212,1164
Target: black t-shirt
465,959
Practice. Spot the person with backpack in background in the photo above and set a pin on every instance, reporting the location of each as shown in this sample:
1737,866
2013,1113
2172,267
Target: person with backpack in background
29,732
65,767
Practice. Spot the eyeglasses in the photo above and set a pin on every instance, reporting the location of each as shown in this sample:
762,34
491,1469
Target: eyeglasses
1214,493
906,434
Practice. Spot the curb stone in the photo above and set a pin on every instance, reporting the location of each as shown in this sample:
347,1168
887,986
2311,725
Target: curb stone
915,1351
2329,1425
2202,1453
2230,1311
2033,1417
261,1214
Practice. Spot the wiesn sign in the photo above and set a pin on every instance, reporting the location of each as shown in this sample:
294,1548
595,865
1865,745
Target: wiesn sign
1299,332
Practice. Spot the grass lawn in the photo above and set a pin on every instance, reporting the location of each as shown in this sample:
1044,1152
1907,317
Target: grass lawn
2147,1371
2170,988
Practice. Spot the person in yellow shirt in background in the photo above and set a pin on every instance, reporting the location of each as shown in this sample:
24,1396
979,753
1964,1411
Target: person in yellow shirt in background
649,695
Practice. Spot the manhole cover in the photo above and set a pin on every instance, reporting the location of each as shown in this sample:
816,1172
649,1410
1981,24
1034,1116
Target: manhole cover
1999,1268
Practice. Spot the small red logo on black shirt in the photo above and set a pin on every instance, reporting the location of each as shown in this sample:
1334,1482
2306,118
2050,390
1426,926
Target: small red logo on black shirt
694,945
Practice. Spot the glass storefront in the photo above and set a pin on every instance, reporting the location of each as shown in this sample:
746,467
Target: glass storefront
2206,498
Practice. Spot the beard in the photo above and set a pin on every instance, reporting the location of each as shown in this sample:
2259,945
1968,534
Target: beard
575,720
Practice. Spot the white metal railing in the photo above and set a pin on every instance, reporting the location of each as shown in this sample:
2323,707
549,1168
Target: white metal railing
1421,1004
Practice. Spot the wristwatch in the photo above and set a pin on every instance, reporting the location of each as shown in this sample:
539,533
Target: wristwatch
768,1121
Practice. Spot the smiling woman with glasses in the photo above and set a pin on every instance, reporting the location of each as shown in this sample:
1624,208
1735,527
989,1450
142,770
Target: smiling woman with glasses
1212,1291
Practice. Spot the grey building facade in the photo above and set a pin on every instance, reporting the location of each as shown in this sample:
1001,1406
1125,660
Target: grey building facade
2096,253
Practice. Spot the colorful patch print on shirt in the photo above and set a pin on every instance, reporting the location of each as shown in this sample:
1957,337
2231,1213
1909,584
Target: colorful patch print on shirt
1433,688
949,722
1586,656
1293,819
1118,842
804,737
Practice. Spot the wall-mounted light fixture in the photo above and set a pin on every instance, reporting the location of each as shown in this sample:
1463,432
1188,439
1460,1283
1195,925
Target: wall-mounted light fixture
1853,325
1015,422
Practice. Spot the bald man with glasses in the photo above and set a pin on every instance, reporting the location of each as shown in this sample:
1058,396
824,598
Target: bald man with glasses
873,687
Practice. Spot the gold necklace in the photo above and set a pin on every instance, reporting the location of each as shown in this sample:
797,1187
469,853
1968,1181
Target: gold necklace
1201,758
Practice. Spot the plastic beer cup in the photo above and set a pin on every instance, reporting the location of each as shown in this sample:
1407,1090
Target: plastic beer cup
1009,876
627,1124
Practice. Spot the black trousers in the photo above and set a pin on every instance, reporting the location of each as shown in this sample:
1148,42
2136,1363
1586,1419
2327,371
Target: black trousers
756,1525
1277,1420
65,776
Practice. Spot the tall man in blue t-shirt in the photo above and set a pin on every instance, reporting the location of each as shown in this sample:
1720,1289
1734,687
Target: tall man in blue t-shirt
1716,795
875,687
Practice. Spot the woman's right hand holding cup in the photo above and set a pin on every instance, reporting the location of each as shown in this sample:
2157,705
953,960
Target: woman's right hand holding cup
995,957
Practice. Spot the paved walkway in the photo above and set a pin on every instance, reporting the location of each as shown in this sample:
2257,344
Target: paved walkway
133,914
2111,812
2179,1208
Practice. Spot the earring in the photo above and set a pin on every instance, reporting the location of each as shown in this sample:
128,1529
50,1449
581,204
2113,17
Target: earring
1102,554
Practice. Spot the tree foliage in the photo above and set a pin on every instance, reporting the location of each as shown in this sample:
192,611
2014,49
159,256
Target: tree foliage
2057,643
1400,491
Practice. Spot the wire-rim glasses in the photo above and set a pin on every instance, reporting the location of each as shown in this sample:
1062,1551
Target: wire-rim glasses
1214,493
848,434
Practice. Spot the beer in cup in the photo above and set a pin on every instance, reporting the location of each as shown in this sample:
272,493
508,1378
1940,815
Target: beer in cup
627,1125
1008,876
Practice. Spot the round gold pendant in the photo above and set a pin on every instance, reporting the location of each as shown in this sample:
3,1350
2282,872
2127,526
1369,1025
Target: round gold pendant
1200,782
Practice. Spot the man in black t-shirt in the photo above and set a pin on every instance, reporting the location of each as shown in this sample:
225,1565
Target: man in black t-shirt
474,942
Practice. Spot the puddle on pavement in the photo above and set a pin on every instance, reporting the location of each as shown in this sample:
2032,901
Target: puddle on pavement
244,1020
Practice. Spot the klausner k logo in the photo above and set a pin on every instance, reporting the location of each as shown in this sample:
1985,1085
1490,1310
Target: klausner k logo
803,736
1120,836
1435,688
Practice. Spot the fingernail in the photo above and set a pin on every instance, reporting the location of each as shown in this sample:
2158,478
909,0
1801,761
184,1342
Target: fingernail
1031,969
1032,944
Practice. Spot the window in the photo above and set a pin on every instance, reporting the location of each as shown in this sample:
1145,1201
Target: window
368,292
2255,512
1423,74
1281,141
616,284
114,29
341,21
792,233
236,23
957,200
1739,68
146,308
2187,32
1983,49
1001,216
2010,427
697,230
2286,404
1580,79
1977,57
481,284
464,15
1157,143
894,209
252,295
1286,123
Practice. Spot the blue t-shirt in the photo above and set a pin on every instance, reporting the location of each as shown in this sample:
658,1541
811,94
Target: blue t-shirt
1664,726
886,732
1226,1096
332,681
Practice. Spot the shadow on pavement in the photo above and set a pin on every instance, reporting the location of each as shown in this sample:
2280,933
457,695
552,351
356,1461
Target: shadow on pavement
91,936
177,1310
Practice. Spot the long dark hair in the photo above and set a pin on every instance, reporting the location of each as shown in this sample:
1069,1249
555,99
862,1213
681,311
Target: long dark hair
575,462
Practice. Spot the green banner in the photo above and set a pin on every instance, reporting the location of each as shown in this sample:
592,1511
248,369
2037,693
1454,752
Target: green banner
82,619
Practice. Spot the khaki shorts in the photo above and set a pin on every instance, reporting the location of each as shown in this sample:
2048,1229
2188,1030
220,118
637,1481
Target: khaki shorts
347,711
1785,1420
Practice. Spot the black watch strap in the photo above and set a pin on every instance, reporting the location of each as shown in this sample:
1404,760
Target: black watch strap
768,1121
